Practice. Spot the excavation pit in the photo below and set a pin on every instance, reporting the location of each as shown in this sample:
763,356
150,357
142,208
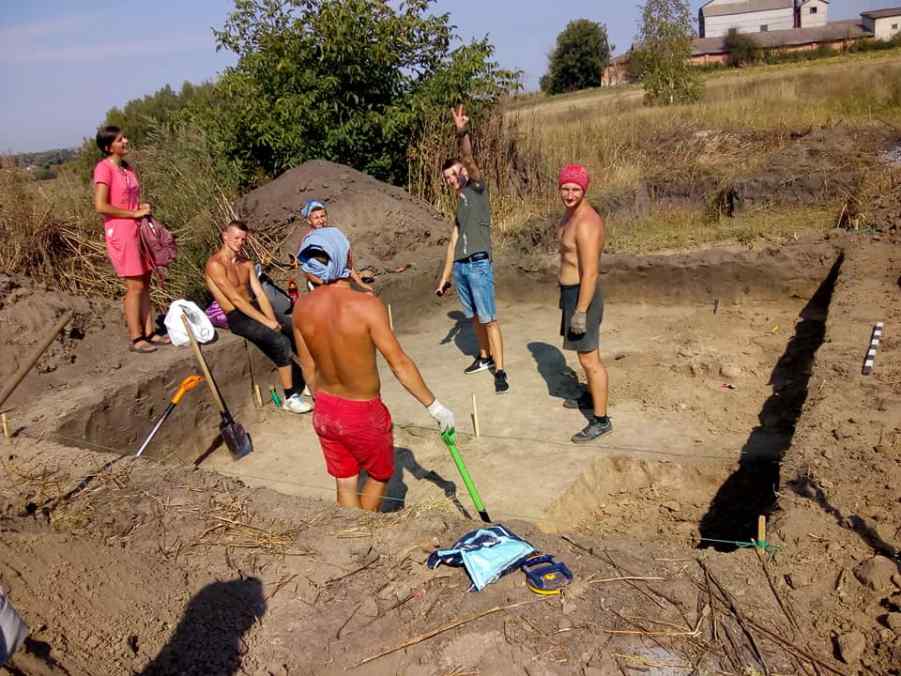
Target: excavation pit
705,379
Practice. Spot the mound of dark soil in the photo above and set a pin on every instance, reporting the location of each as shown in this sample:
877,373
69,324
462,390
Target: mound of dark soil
386,225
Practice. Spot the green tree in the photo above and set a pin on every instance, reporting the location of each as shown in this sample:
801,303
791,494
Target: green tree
350,81
579,58
141,119
662,53
741,48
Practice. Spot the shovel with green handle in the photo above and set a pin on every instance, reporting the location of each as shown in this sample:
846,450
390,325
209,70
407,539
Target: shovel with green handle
450,440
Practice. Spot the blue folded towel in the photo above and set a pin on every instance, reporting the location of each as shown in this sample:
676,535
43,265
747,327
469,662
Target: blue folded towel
486,553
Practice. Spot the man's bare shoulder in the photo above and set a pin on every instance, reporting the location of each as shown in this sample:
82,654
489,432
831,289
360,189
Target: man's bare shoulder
588,216
213,264
366,302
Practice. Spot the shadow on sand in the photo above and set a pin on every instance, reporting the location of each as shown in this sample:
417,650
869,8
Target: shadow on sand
396,495
561,380
752,489
209,638
462,334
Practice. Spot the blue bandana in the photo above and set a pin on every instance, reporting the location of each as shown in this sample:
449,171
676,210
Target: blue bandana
334,244
310,206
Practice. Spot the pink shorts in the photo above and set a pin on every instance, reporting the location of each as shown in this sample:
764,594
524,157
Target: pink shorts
123,246
354,434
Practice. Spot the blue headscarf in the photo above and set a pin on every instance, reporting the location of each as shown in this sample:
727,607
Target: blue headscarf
310,206
335,245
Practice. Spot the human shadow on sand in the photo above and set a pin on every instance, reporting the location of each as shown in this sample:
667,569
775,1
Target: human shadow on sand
462,334
561,380
209,638
396,495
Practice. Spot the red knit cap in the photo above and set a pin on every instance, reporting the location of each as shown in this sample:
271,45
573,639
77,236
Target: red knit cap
575,173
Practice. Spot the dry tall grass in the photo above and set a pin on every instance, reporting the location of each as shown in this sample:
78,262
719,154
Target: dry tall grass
49,230
625,145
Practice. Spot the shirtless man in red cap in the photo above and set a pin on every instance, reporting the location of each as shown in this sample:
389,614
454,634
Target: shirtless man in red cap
581,234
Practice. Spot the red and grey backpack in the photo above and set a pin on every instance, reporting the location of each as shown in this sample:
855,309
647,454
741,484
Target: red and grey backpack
158,244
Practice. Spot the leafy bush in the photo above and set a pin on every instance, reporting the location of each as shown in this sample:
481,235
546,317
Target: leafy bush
44,173
579,59
350,81
139,118
741,47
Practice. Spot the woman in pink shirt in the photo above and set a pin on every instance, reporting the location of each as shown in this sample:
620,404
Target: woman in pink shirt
117,197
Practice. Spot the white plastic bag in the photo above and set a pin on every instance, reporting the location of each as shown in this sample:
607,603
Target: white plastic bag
200,323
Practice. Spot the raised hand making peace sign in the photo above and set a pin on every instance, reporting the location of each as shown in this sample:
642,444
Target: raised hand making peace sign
461,119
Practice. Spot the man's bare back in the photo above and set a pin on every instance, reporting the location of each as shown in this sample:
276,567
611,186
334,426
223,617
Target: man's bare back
237,272
337,325
583,229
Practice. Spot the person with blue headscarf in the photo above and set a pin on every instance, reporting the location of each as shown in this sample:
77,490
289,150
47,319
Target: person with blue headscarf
315,214
338,331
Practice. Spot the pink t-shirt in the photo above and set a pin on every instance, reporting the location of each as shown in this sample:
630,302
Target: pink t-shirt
124,189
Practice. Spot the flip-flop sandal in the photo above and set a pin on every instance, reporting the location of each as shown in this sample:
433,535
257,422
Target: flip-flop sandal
163,340
134,347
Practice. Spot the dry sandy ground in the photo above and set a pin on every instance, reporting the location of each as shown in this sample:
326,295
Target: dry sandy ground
155,567
160,569
670,406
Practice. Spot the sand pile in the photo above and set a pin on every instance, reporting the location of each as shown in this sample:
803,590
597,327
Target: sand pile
388,227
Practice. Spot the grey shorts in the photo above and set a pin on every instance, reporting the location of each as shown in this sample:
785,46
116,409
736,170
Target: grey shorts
569,298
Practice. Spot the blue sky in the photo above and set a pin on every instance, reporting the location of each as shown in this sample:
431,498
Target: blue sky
64,64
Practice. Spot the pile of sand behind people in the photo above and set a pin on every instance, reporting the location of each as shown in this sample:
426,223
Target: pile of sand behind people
389,229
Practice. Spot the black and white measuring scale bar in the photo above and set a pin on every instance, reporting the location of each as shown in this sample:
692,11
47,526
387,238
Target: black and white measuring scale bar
870,361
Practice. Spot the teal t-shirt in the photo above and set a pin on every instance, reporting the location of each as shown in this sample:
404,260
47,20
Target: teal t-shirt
473,221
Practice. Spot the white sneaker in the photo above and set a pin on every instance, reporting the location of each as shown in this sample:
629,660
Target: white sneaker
306,391
296,404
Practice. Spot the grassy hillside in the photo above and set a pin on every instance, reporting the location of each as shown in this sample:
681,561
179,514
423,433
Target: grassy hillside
663,176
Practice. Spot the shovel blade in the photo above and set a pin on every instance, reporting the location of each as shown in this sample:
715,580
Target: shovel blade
236,439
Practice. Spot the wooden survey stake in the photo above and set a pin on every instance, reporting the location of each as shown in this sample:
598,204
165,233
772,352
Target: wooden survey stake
761,532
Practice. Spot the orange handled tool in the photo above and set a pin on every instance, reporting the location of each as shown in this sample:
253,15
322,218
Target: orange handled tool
186,386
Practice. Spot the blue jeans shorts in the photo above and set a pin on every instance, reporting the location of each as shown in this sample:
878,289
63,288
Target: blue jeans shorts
475,289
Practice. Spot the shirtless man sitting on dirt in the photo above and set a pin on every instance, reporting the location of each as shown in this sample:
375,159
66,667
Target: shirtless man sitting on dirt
230,277
337,331
581,235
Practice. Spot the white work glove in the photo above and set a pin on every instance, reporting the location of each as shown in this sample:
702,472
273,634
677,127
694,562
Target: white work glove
577,323
442,415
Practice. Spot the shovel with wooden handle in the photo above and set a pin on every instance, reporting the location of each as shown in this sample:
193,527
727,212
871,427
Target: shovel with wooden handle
233,434
186,386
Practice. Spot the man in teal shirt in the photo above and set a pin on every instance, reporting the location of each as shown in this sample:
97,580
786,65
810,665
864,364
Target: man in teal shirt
469,256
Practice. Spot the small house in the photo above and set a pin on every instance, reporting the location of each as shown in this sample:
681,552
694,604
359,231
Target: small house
812,13
717,17
884,24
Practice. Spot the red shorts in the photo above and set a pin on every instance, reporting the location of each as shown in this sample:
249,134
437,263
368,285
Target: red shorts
354,434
